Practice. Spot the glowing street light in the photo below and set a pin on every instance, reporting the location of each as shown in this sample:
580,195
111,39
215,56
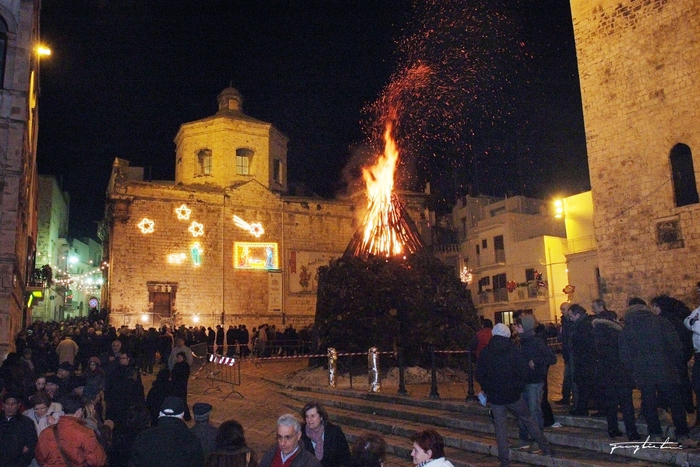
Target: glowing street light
43,51
558,208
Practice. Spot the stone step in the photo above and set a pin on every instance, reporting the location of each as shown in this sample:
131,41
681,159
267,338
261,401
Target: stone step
467,428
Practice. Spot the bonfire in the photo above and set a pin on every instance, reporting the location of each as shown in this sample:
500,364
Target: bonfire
386,230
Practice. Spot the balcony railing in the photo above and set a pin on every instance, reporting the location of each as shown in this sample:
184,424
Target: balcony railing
581,244
493,296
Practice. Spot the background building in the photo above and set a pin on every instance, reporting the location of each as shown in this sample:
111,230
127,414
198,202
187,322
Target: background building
223,242
521,253
638,67
52,244
19,83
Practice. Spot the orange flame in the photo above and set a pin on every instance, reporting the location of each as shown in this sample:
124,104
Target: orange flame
379,238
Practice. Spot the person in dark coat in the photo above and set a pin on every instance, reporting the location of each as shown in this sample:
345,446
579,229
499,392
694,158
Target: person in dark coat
322,438
569,392
170,443
650,348
180,377
122,390
137,420
502,373
17,434
539,358
161,388
676,311
612,378
220,339
231,449
205,432
583,356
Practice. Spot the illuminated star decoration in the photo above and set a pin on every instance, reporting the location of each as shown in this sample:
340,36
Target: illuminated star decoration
146,225
255,228
183,213
196,229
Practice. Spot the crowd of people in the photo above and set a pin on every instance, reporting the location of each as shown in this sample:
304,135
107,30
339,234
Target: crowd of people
60,367
72,393
606,358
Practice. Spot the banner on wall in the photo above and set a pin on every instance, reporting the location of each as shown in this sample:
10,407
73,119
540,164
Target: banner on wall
274,304
303,270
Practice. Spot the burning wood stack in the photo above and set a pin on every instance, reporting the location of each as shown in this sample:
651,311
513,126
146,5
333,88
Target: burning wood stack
386,230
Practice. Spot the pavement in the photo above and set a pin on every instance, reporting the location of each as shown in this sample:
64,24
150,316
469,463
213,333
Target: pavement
260,397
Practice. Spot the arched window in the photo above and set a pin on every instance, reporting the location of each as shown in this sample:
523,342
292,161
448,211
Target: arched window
243,157
684,189
204,162
3,50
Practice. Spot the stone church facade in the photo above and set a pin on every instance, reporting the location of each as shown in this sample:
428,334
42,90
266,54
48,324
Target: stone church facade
638,67
225,242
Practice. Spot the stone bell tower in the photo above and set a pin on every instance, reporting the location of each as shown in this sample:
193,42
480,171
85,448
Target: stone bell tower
638,67
230,148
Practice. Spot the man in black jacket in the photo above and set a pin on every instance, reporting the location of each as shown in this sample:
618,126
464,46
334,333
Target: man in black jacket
539,358
17,434
502,374
170,443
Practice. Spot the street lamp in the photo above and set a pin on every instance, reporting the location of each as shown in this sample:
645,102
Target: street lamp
43,51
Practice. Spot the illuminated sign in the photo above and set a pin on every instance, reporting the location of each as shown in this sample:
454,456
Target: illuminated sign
196,253
252,255
176,258
146,225
196,229
255,228
183,213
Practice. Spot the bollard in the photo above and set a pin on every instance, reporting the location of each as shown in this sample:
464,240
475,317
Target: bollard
470,378
332,366
433,377
373,370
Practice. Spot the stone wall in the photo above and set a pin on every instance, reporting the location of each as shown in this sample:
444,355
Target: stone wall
137,259
638,62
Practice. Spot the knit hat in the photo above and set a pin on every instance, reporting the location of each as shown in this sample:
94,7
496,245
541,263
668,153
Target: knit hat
66,366
501,330
201,411
172,407
527,322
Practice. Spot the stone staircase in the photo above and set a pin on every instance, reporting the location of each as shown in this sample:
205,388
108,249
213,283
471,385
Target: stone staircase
469,434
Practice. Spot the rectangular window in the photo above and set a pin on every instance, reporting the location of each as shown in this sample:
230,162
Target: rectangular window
483,283
500,293
242,165
484,244
499,249
529,274
277,171
505,317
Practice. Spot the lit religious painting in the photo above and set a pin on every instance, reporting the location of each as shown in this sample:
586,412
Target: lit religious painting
196,253
146,225
183,213
255,228
253,255
196,229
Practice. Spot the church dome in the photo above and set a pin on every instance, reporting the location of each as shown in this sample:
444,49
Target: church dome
230,99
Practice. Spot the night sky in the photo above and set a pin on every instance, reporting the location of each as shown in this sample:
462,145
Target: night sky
484,94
